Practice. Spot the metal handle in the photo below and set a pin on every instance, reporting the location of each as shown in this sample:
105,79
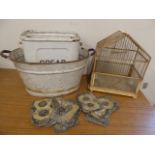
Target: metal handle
5,53
91,51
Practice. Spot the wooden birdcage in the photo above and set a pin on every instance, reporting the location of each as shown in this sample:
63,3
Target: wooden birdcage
119,66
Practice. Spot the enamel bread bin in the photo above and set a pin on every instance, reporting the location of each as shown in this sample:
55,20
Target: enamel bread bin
49,47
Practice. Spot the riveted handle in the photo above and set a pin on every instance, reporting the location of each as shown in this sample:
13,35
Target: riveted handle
90,63
91,51
5,53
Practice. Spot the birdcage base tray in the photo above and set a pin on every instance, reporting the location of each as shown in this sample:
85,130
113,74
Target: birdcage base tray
111,91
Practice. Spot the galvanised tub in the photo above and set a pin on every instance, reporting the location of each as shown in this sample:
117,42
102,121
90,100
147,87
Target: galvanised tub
48,79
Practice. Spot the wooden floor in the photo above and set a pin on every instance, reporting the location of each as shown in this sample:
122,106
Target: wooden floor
135,116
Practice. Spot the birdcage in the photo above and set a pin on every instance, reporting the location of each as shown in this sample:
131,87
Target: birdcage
119,66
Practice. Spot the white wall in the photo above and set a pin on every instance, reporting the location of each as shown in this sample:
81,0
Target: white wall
90,31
